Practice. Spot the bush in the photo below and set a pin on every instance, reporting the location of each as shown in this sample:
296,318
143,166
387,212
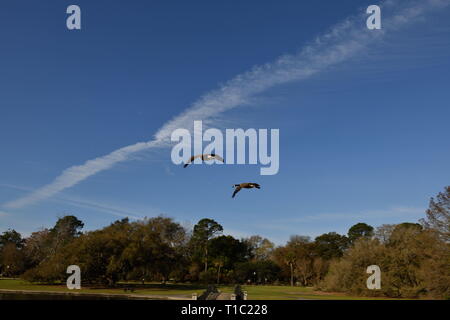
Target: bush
413,263
209,276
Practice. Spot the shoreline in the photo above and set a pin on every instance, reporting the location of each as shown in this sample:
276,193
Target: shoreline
87,294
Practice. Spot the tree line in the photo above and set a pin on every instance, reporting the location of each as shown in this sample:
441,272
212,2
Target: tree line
414,257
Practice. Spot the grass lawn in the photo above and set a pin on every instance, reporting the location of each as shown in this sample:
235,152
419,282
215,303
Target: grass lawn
185,290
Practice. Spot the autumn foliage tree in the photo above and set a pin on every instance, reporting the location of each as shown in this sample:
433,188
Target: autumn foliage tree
438,214
414,258
12,259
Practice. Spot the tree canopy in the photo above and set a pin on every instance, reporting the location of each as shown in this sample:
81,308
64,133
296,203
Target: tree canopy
414,258
359,230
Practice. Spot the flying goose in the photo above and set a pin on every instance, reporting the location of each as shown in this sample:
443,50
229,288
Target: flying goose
246,185
205,157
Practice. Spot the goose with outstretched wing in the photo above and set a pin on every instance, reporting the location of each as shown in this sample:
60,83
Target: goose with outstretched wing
205,157
245,185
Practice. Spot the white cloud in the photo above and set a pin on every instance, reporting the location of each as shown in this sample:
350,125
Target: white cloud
343,42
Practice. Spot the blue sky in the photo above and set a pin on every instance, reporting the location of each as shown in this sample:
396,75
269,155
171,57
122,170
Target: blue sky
363,139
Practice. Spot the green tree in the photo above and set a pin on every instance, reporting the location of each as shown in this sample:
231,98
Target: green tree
258,248
12,259
225,251
402,229
266,271
11,236
348,274
331,245
285,257
414,262
359,230
297,256
157,247
96,252
203,231
65,229
304,251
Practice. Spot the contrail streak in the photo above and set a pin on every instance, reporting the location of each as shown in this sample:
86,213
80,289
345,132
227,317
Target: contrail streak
107,208
344,41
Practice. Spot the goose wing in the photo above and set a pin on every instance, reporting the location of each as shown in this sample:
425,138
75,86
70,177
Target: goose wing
236,190
216,156
191,159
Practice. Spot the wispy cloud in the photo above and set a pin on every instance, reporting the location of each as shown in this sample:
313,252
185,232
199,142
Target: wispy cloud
93,205
392,212
3,213
344,41
403,213
107,208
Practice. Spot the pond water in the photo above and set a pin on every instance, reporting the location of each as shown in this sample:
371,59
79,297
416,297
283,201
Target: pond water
56,296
